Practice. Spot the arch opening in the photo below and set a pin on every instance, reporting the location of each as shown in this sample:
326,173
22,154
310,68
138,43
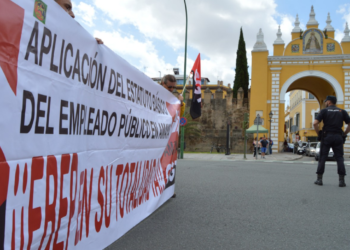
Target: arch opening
317,82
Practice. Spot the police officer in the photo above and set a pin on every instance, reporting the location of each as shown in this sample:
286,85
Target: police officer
333,136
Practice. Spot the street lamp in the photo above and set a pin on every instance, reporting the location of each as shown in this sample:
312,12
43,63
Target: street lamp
270,115
182,139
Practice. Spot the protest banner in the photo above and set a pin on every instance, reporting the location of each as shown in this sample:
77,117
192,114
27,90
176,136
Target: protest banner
88,143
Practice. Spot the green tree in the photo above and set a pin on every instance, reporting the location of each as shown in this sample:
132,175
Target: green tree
242,75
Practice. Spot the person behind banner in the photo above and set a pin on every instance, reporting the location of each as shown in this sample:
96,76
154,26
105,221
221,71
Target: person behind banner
169,82
68,7
332,136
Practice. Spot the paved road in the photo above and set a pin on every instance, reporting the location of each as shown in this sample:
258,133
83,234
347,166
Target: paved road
248,205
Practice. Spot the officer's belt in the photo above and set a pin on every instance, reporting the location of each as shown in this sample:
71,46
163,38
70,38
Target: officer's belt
332,133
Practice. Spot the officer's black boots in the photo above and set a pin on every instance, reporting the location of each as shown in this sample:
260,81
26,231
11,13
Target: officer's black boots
341,181
319,180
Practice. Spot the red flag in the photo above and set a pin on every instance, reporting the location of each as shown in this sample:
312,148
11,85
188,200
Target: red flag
11,24
196,110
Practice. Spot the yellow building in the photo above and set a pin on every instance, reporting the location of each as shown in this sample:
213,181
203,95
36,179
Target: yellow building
303,109
312,61
205,84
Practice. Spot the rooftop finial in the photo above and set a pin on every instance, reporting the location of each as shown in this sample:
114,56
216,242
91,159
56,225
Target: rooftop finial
297,23
260,44
346,32
312,20
279,36
329,26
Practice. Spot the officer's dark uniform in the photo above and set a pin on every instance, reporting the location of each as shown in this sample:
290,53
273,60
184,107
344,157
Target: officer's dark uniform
333,118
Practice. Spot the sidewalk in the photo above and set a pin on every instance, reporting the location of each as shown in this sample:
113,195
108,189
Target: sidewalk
239,157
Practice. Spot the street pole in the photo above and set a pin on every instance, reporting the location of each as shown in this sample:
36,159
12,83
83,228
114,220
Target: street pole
257,137
184,94
245,122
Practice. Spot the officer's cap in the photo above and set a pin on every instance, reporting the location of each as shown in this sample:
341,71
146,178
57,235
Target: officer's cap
331,98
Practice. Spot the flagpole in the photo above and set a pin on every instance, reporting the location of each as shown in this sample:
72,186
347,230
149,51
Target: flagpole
184,87
184,93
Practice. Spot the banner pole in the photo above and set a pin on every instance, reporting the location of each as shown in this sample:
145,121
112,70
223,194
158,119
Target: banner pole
184,87
184,93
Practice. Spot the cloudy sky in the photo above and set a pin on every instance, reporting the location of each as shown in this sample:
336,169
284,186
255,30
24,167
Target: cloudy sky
151,34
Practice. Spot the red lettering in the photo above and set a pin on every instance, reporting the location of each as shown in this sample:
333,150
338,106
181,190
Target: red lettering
50,209
129,195
122,196
86,204
136,185
13,239
34,214
22,229
79,229
145,168
108,217
4,183
98,223
16,180
74,171
118,173
156,186
65,161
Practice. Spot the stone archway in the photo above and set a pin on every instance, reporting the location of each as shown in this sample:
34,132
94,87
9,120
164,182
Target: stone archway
327,79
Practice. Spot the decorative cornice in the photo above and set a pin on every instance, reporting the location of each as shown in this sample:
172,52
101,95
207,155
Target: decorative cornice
308,58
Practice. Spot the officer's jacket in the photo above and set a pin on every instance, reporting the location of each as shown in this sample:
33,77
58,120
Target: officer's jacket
333,118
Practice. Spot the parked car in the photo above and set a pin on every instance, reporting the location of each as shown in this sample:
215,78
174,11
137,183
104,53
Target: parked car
310,149
330,155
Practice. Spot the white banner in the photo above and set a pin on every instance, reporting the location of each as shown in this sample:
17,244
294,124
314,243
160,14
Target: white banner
88,143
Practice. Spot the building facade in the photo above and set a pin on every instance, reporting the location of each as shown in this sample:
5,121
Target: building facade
312,61
205,83
302,112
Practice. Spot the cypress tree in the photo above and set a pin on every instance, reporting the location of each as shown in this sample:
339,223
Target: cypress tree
242,75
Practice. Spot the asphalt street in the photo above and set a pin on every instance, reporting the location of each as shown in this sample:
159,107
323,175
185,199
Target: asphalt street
248,205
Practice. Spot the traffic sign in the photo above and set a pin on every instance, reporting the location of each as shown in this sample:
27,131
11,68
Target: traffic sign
256,121
183,121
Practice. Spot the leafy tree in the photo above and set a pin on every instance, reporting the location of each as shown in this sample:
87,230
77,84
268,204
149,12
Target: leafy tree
242,75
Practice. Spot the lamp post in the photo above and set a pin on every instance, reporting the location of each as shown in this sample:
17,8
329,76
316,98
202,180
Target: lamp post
270,115
257,136
228,138
182,127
